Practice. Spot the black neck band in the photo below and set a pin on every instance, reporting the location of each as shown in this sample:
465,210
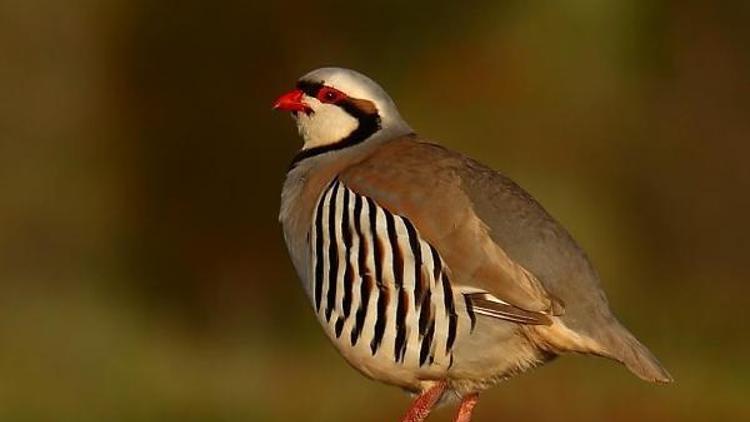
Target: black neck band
367,125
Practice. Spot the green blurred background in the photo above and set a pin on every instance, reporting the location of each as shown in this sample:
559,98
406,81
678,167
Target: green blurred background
142,272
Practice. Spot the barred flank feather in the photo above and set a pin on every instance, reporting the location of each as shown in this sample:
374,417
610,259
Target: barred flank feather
401,282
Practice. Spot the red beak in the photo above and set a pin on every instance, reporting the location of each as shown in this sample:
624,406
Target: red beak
292,101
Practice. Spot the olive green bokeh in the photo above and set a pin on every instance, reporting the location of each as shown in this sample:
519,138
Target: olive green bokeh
142,269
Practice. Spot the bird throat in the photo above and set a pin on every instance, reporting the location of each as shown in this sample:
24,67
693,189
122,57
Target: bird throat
368,123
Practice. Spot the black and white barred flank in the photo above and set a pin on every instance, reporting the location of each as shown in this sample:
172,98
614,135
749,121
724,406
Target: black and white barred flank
375,280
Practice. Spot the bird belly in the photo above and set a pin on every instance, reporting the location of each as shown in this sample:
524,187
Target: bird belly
495,351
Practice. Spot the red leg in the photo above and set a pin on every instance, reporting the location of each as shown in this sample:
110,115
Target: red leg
423,404
467,407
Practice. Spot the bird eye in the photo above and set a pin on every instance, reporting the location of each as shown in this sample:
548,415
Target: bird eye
329,95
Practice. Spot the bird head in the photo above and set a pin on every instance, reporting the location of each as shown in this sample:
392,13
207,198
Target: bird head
335,108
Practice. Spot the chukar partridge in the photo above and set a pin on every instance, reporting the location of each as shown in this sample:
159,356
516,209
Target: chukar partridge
426,269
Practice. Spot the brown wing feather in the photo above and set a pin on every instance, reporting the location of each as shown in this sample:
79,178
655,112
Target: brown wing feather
421,182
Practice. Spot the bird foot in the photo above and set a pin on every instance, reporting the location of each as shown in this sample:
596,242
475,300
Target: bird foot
466,408
424,403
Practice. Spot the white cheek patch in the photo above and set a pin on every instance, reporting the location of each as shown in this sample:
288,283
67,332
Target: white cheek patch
327,124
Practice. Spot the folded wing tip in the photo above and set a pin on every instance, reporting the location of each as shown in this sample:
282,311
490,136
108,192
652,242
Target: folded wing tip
488,305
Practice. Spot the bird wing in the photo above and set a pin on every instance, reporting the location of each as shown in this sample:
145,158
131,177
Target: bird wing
425,184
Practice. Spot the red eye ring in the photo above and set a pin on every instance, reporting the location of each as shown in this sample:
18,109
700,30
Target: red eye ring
330,95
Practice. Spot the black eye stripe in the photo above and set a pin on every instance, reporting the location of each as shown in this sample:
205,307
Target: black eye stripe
312,89
309,88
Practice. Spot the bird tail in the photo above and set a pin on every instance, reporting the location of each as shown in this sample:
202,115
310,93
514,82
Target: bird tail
622,346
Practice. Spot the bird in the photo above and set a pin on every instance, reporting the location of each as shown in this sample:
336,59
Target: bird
427,269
